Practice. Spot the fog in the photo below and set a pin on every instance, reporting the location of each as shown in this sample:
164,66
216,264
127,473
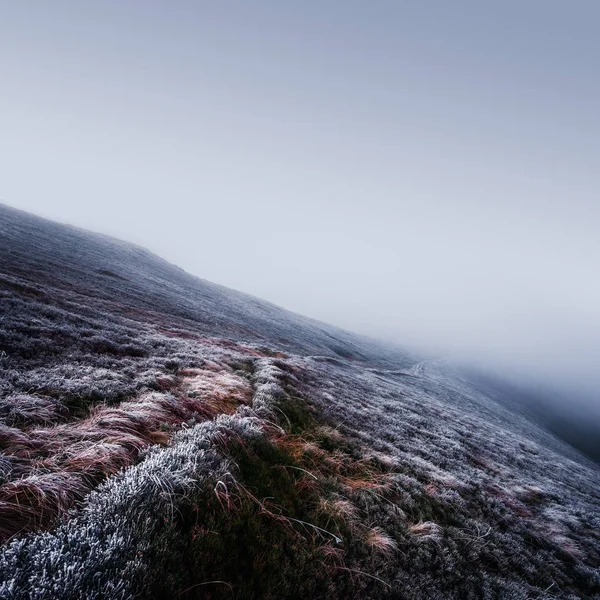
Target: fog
426,173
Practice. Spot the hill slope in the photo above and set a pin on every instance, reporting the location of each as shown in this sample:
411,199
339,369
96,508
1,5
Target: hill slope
162,436
130,281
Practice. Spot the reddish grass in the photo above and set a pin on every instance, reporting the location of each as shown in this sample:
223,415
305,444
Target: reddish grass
58,465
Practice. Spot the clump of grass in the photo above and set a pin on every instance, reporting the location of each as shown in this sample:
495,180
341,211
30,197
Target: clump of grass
59,463
20,410
426,531
381,542
340,513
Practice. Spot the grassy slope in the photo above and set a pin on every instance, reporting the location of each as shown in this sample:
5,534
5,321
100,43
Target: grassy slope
234,450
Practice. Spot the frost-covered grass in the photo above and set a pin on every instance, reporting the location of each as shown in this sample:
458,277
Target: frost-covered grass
470,487
73,413
113,546
164,437
272,502
100,553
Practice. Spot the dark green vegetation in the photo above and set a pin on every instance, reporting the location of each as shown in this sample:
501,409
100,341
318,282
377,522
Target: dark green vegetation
162,437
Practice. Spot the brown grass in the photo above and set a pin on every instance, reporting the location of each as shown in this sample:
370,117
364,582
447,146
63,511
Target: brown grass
379,541
427,530
58,465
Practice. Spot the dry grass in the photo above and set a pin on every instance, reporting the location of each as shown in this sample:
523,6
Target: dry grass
425,531
59,464
380,542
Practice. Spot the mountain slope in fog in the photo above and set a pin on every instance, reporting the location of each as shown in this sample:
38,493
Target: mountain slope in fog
137,284
162,436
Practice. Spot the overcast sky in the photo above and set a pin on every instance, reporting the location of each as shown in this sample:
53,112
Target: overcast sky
426,172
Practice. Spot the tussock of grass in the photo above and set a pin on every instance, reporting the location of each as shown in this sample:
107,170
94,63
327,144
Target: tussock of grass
60,463
381,541
426,531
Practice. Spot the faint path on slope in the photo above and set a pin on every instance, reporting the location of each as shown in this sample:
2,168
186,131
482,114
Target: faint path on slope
421,369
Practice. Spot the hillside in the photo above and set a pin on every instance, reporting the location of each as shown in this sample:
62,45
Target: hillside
163,436
106,274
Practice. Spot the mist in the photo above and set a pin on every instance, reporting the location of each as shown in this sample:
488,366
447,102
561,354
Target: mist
424,173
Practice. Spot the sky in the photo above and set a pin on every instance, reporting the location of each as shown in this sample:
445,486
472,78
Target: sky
422,172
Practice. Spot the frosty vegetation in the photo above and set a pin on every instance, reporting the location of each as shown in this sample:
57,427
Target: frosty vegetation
164,437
